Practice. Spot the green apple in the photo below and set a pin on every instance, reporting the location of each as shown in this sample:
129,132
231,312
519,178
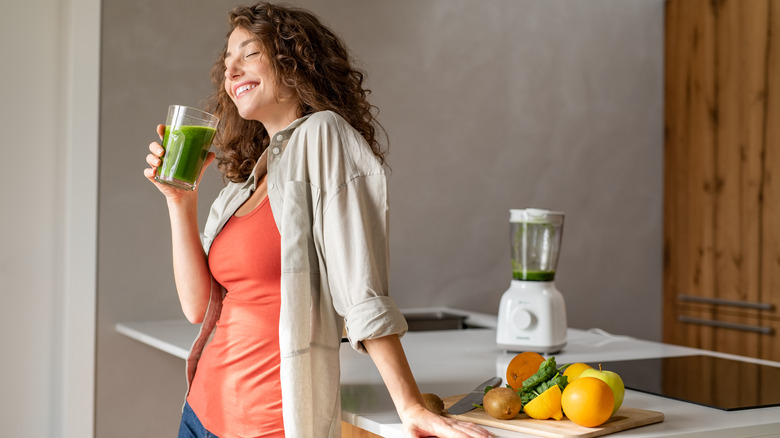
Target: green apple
612,379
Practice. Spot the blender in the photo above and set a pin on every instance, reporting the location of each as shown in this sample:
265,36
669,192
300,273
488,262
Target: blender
532,313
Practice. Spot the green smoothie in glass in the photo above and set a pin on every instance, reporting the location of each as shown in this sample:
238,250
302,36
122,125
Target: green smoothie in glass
187,139
185,150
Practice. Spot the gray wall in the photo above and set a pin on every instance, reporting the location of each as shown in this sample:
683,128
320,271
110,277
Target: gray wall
30,272
490,105
49,118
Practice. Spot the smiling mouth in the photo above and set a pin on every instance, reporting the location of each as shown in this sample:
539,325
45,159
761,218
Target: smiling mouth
243,89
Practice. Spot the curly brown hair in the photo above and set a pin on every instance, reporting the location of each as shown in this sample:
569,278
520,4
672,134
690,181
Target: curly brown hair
307,57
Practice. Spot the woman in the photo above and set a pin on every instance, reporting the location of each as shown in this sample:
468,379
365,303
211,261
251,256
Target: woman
295,249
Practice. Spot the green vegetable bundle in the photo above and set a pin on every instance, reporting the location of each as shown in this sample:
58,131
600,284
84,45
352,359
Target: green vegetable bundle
548,375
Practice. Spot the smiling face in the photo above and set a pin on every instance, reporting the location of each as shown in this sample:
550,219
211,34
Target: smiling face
251,83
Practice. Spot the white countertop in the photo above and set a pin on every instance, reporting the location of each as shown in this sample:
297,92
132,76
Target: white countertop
450,362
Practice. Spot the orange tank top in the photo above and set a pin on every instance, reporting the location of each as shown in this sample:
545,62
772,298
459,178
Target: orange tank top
236,390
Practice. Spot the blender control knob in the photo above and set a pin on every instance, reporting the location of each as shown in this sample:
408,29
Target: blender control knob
521,319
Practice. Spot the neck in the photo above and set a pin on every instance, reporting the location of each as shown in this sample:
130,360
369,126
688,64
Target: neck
280,119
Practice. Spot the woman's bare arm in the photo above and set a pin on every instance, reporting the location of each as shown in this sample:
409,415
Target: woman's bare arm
390,359
190,267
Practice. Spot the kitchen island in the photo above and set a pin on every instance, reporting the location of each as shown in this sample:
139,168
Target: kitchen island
451,362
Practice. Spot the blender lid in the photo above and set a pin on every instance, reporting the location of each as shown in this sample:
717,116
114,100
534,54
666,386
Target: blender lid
535,215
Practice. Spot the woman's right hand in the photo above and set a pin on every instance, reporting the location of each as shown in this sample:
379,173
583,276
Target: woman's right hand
154,159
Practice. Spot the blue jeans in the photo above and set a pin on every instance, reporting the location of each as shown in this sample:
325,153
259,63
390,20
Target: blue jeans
190,425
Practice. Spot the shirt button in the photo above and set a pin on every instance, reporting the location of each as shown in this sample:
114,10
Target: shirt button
280,137
275,150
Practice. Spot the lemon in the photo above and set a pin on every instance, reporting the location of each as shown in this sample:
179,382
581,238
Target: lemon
574,370
546,405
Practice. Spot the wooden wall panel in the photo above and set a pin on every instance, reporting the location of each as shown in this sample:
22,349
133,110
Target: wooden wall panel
770,213
689,132
740,63
721,218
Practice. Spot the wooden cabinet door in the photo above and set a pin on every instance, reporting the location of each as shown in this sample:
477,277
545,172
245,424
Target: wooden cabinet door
350,431
722,170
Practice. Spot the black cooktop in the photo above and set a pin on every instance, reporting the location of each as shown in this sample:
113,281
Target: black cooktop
716,382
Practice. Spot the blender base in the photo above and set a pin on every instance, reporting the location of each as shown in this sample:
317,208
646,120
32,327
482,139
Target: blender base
532,317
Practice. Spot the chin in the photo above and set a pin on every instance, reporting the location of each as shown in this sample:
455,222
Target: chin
246,114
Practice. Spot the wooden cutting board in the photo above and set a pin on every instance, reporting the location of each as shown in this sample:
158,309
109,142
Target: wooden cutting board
624,418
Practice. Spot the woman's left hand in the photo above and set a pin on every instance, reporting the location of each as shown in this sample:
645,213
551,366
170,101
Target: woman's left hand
423,423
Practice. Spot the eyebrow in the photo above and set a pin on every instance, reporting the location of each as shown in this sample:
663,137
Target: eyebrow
241,46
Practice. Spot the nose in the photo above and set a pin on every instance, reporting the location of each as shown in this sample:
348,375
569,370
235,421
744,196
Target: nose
232,68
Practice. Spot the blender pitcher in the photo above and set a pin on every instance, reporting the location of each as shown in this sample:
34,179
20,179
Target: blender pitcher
536,241
532,312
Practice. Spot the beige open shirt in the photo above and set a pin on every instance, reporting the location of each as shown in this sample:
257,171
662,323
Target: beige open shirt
328,193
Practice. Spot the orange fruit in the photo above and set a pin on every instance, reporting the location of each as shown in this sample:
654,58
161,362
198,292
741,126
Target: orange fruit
588,401
573,371
521,367
546,405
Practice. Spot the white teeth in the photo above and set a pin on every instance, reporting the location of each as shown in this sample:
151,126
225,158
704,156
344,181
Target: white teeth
244,88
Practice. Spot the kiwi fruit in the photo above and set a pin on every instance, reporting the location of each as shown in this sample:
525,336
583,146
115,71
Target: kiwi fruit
433,403
502,403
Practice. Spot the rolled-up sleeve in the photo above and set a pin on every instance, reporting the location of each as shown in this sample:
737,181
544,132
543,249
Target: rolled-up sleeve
355,233
373,318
